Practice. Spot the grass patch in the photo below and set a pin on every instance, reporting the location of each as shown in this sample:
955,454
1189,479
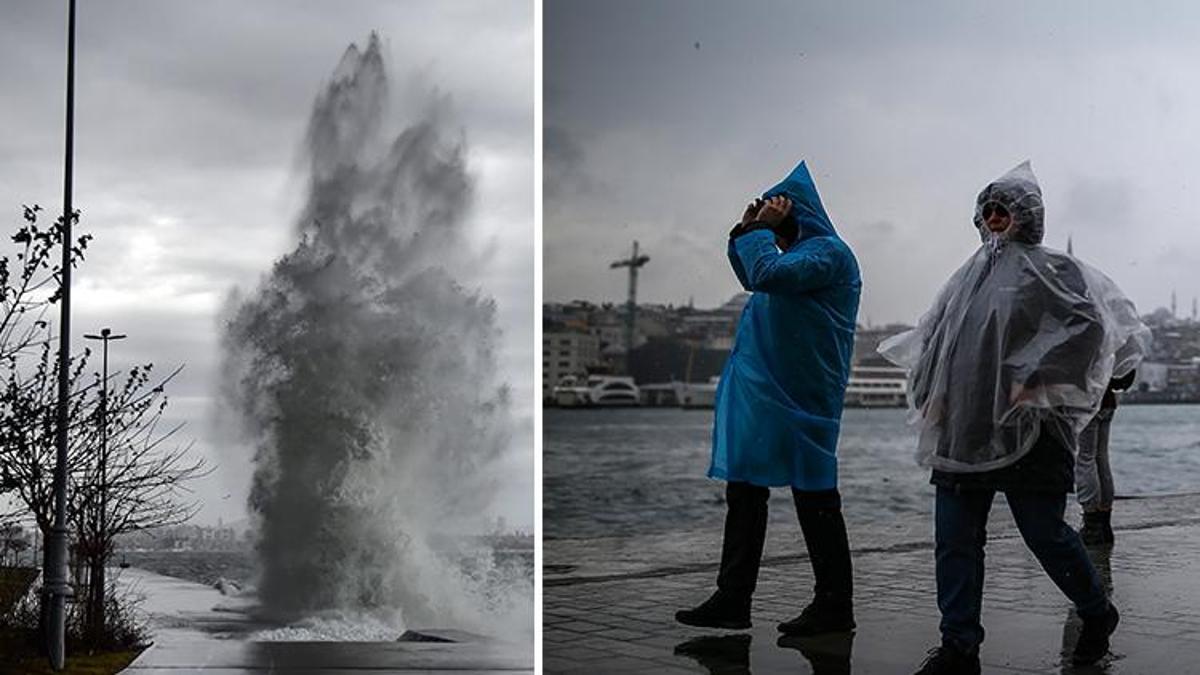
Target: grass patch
18,654
96,664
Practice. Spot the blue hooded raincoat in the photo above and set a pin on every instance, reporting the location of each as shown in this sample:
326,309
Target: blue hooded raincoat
779,403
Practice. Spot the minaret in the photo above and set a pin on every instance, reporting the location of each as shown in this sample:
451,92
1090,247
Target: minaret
1193,309
1070,249
1173,315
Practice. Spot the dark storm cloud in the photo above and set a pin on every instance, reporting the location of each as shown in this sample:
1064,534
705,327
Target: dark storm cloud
562,163
1100,203
903,111
190,117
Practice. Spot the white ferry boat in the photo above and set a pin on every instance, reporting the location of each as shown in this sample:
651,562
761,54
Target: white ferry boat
869,387
596,391
877,387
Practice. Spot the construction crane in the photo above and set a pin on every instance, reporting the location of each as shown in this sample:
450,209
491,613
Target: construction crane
633,262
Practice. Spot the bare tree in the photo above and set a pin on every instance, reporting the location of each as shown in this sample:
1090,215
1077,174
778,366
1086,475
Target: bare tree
137,481
30,283
28,428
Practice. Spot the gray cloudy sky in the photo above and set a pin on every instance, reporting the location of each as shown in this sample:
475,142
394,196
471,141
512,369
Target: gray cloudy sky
663,118
190,117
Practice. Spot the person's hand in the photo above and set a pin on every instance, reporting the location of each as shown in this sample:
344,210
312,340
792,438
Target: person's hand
748,217
1019,394
774,210
751,211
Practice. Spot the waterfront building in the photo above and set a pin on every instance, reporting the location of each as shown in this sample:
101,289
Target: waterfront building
567,353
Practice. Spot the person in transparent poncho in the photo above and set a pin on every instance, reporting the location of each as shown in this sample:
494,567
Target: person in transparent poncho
1005,370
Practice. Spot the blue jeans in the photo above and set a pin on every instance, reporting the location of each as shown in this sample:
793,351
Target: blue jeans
961,532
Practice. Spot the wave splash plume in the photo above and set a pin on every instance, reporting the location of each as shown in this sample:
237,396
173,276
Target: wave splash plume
365,378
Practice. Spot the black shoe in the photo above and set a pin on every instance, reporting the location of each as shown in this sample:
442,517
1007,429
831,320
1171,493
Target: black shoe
1093,639
816,620
832,609
1092,532
947,660
719,611
1106,527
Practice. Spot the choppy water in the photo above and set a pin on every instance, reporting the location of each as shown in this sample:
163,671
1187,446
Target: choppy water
641,471
241,567
204,567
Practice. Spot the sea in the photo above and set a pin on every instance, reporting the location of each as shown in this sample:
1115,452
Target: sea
204,567
641,471
241,567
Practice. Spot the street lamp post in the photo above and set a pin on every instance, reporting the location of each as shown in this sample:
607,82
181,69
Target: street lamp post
54,568
97,583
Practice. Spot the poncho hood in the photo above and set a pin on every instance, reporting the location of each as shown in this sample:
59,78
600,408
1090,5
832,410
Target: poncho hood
807,209
1019,193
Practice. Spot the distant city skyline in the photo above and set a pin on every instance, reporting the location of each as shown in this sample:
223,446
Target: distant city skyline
1171,304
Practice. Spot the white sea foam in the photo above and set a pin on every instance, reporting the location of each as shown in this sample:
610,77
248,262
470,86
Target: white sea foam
333,626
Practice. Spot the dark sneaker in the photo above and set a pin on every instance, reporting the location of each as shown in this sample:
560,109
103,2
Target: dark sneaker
719,611
1093,639
946,660
816,620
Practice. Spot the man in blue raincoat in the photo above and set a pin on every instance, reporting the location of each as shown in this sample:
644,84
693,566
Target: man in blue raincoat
779,403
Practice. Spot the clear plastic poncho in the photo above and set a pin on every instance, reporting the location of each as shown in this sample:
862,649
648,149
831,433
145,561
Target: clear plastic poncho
1022,340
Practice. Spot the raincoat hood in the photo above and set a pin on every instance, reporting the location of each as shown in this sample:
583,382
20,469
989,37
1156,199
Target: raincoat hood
807,209
1019,193
779,403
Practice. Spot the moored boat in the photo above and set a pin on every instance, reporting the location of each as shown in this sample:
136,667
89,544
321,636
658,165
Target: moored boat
608,391
877,387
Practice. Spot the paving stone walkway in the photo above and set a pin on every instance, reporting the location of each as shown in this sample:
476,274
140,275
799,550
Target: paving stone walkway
613,611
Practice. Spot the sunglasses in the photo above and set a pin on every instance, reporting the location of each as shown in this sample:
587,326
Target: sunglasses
992,207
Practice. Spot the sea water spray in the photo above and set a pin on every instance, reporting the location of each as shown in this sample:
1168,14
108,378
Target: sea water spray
365,377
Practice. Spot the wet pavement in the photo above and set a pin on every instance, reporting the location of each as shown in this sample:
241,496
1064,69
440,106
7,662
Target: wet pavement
198,630
608,605
325,658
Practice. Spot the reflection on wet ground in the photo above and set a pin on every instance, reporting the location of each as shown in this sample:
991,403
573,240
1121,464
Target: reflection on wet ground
718,653
623,623
730,654
826,654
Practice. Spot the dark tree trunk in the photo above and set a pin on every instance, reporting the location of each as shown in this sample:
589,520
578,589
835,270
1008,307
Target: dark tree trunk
95,600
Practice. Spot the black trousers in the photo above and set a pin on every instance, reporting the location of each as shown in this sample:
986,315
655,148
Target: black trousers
820,516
